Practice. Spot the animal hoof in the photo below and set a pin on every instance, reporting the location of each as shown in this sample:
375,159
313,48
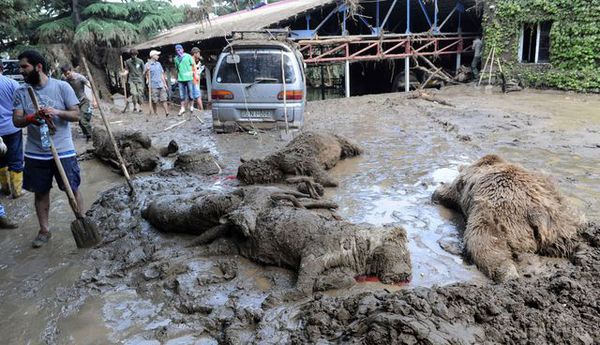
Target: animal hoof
507,272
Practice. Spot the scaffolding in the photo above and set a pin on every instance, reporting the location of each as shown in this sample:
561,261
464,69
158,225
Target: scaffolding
434,40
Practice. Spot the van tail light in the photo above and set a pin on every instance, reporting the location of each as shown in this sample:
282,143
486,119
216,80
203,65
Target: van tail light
292,95
222,94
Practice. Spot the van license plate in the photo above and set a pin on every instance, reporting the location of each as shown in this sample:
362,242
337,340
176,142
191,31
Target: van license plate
257,114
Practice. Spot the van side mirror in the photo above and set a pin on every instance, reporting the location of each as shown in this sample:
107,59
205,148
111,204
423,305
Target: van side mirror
232,58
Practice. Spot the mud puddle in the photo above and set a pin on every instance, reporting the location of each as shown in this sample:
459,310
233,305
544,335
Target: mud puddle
33,283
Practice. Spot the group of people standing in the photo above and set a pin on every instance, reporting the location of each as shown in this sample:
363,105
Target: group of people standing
30,166
188,68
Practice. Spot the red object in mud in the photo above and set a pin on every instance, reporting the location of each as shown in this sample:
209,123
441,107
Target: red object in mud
375,279
231,177
367,279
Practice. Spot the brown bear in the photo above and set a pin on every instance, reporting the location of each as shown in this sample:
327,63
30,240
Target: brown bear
509,210
309,154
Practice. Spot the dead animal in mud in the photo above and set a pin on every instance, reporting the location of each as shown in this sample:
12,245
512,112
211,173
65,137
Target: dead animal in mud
309,154
508,211
172,148
199,161
278,227
135,147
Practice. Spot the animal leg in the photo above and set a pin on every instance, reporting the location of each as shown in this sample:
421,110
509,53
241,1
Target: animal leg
290,198
311,268
489,251
313,204
335,278
210,235
307,185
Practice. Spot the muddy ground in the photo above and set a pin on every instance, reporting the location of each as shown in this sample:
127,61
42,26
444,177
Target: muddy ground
144,287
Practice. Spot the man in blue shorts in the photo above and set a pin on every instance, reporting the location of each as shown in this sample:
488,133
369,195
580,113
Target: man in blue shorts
59,107
185,67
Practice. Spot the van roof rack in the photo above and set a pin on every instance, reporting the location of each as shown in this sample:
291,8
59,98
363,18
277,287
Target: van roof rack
265,34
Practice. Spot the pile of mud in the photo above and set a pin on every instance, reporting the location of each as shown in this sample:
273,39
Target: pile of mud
208,292
559,308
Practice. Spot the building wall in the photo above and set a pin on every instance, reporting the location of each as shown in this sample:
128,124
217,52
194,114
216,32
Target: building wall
574,41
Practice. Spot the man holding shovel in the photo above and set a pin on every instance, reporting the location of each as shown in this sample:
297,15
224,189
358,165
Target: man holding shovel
59,107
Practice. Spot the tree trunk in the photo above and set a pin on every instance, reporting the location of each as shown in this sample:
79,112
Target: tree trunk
75,9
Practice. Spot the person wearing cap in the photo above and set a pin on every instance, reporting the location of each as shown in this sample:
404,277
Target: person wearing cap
185,67
135,73
197,76
157,80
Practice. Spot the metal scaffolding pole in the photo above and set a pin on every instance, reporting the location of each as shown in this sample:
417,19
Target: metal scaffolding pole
406,74
347,77
408,16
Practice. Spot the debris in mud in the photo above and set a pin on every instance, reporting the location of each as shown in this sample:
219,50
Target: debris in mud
199,161
135,147
510,210
309,154
276,227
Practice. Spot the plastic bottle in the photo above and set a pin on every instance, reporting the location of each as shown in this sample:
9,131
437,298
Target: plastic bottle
44,135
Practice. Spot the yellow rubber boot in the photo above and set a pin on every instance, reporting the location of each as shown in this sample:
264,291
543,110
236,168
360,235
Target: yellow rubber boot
16,182
4,187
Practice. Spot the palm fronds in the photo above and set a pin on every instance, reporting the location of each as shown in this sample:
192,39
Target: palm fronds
56,31
105,32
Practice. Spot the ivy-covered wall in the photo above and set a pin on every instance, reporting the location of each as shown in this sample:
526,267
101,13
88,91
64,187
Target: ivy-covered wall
574,41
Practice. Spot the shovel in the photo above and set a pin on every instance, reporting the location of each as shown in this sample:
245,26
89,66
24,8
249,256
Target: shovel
107,125
84,231
124,81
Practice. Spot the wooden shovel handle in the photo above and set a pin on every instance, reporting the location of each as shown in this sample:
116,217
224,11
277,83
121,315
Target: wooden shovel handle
107,125
59,166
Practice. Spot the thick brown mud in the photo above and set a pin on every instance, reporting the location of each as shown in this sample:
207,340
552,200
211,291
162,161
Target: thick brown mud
146,287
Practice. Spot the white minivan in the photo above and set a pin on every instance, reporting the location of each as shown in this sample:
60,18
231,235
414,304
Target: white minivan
248,89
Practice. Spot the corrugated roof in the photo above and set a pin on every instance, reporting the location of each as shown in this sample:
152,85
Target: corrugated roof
246,20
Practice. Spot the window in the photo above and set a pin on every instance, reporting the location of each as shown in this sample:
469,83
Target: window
256,66
535,43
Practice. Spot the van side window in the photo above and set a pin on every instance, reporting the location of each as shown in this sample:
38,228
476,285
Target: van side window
256,65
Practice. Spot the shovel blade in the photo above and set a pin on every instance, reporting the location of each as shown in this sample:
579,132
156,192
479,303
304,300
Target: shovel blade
85,233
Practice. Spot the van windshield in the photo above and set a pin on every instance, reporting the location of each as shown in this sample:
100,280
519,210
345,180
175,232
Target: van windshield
256,66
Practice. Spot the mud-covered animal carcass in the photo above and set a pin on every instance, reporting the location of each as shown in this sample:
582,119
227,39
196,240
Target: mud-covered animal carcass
508,211
135,147
285,228
309,154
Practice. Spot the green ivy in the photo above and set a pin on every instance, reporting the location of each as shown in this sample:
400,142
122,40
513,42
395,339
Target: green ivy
574,41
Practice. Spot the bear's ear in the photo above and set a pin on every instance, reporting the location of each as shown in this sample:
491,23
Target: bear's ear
488,160
461,168
242,160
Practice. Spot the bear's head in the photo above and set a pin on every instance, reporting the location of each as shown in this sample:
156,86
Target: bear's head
258,171
390,261
450,194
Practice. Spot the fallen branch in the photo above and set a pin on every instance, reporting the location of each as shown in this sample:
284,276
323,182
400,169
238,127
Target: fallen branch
175,125
427,97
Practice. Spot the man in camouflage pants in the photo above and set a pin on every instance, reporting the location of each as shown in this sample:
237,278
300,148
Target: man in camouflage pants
135,71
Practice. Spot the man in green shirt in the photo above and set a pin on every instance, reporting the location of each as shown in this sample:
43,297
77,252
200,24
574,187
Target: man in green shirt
135,72
185,67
